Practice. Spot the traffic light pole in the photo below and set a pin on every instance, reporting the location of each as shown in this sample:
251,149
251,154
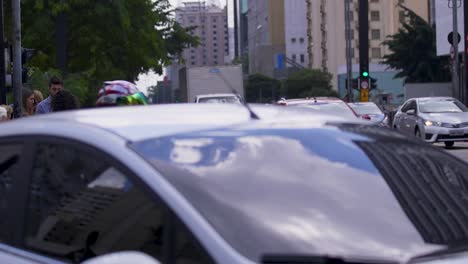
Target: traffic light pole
17,72
3,90
364,49
465,66
455,80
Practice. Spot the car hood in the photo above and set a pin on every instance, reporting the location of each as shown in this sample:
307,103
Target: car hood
452,118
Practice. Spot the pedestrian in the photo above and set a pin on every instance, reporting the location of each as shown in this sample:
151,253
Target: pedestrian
9,110
28,103
3,114
55,85
38,96
64,100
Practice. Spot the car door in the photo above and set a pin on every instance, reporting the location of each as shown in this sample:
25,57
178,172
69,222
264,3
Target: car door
82,203
412,120
400,118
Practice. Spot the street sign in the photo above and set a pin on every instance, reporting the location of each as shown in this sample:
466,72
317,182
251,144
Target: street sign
450,38
364,84
444,25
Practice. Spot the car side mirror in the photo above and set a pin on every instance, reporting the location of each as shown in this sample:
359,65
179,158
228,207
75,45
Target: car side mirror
123,258
411,112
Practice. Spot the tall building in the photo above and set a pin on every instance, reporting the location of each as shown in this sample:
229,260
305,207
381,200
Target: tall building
295,17
266,35
211,26
326,30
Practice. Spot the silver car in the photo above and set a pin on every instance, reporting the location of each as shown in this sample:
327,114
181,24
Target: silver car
434,119
208,183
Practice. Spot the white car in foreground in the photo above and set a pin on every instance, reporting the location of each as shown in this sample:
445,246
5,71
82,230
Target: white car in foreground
212,183
218,98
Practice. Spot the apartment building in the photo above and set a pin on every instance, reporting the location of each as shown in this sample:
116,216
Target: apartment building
211,27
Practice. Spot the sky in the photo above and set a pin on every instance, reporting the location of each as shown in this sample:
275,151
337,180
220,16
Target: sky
151,79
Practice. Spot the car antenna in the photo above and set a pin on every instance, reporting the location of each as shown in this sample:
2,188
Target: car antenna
253,115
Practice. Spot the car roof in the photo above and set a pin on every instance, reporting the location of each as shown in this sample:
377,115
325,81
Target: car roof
134,123
216,95
362,103
310,100
434,98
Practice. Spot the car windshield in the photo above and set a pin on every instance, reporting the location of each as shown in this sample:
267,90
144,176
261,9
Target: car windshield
442,106
293,191
220,99
335,108
366,109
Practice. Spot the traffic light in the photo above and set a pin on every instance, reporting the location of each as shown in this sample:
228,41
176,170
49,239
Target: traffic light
373,83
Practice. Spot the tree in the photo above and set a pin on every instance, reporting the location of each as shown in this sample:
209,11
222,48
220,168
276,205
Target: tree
309,83
108,39
413,51
262,89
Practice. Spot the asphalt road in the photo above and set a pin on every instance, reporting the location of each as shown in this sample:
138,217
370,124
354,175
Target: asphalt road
460,150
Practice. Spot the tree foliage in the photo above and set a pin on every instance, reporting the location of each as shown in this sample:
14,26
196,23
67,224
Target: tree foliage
262,89
309,83
413,51
106,39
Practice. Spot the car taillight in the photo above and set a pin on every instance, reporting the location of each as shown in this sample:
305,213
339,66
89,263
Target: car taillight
366,117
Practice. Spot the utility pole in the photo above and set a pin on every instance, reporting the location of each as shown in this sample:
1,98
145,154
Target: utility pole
17,80
364,50
465,53
2,56
349,65
455,79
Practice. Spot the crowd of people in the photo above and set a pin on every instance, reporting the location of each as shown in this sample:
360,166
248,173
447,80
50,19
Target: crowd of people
33,102
113,93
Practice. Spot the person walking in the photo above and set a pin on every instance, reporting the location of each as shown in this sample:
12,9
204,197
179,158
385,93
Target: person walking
64,100
38,96
55,85
28,103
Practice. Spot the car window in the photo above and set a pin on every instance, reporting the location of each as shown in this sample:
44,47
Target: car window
9,158
407,106
81,206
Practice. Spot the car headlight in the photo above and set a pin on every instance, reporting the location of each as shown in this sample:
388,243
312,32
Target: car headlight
432,123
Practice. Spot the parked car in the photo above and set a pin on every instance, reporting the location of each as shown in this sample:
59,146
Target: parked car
434,119
370,111
328,105
218,98
208,183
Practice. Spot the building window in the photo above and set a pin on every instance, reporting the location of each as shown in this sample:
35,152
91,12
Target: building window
215,50
215,63
294,57
214,26
376,53
351,15
193,63
193,57
214,32
352,53
301,40
374,1
352,34
215,44
293,40
375,34
215,38
215,56
302,58
375,15
192,51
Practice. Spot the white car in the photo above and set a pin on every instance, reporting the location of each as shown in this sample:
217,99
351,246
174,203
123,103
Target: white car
433,119
218,98
209,183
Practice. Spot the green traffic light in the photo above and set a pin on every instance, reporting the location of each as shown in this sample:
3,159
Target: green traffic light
365,74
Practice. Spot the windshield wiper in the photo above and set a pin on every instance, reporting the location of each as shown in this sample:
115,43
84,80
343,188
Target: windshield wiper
319,259
438,253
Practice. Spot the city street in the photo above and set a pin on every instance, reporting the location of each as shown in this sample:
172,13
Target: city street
460,150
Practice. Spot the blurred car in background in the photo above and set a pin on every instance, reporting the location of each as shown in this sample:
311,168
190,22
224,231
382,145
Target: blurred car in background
328,105
370,111
434,119
218,98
